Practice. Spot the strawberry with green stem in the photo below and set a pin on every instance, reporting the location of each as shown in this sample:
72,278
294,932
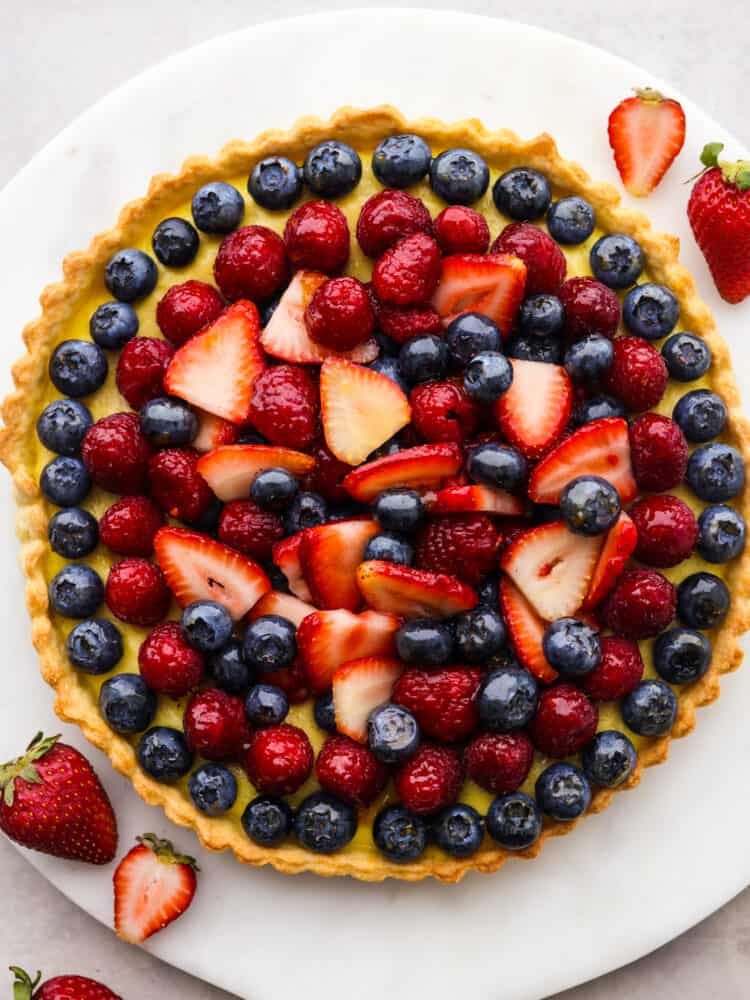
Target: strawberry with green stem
58,988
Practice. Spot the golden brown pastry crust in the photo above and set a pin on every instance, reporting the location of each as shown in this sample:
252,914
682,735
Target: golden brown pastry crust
359,128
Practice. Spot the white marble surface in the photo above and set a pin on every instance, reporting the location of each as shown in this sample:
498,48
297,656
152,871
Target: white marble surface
55,60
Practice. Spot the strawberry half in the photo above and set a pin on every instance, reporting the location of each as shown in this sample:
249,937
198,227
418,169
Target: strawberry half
286,555
534,412
618,547
425,466
601,448
275,602
359,686
198,569
153,886
213,432
646,132
215,369
360,409
329,555
326,639
231,469
526,631
492,284
482,499
413,593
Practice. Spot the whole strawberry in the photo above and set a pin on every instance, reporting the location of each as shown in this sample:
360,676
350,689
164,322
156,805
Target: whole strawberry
59,988
53,802
719,214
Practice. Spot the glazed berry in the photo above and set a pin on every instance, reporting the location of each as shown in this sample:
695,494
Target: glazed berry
522,193
65,481
563,792
721,534
127,703
542,315
408,272
266,705
217,208
324,823
285,406
641,604
332,169
136,592
461,545
270,643
215,725
229,670
488,376
528,347
507,699
251,264
571,220
339,315
307,510
273,489
572,647
324,713
459,176
130,275
479,635
62,426
423,359
141,368
73,533
514,821
638,375
459,229
564,722
544,260
650,311
687,357
589,505
250,530
458,830
589,358
267,820
470,334
701,414
168,423
497,465
213,789
658,452
317,236
590,307
681,655
78,367
113,324
279,759
702,601
76,591
425,641
401,160
399,834
391,368
499,762
175,242
350,771
616,260
598,408
443,411
609,759
389,548
186,309
168,664
275,183
392,733
650,709
164,755
430,780
400,324
667,530
207,626
618,672
443,700
716,472
387,217
177,486
399,510
95,646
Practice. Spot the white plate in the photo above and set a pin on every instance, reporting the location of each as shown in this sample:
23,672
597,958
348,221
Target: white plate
656,862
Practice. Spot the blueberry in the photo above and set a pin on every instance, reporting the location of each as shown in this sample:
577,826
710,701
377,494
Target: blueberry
701,414
325,824
458,830
514,821
390,367
488,591
497,465
275,182
479,635
702,600
401,160
387,345
522,193
76,591
229,670
332,169
716,472
589,505
426,641
130,275
459,176
389,548
95,646
598,408
175,242
650,709
208,521
65,481
213,789
681,655
488,376
168,423
307,510
273,489
616,260
399,834
266,705
78,367
423,359
542,315
324,713
589,358
164,755
217,208
507,699
127,704
267,820
392,733
609,759
73,533
206,625
528,347
570,220
62,426
686,356
563,792
399,509
113,324
572,647
721,534
650,311
470,334
270,643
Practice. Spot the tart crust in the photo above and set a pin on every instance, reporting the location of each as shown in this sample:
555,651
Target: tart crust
75,704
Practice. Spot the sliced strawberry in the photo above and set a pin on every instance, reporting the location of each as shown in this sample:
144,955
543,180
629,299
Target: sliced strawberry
215,370
463,499
359,686
427,465
286,555
360,408
492,284
198,568
329,556
326,639
526,631
286,335
601,448
618,547
231,469
275,602
552,567
213,432
646,132
153,886
533,413
413,593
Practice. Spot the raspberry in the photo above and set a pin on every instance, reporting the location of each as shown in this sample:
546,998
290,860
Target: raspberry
186,309
667,530
387,217
408,273
136,592
459,229
590,307
499,762
177,486
619,671
340,315
349,770
442,411
284,406
641,604
430,780
317,237
250,530
215,725
638,375
167,664
293,682
251,264
116,454
326,477
462,545
279,759
658,452
128,527
442,701
544,260
140,369
565,721
403,324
